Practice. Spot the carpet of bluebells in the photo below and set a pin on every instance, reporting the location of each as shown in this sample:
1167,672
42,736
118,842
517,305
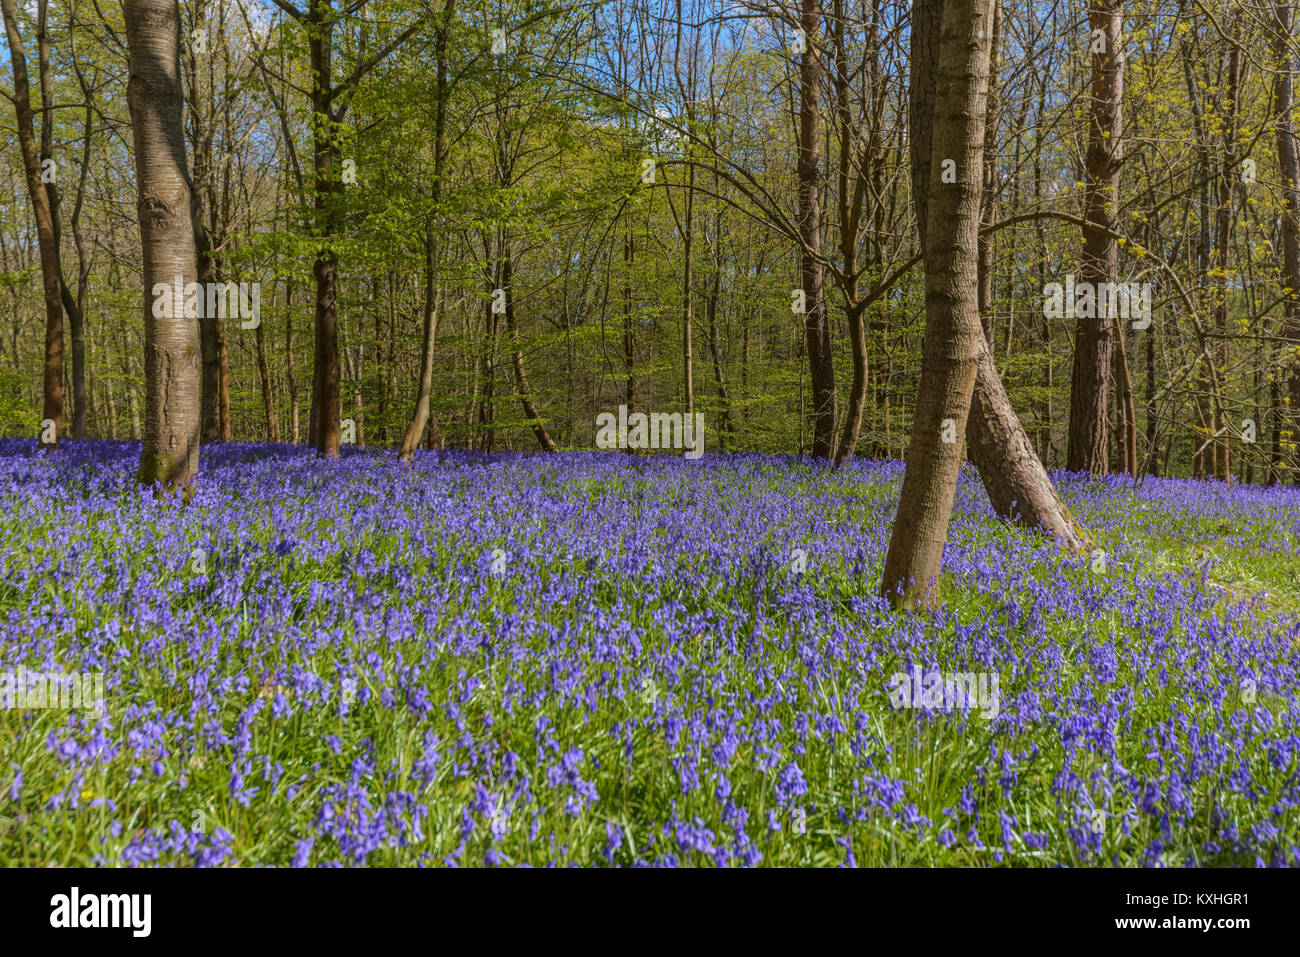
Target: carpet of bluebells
598,658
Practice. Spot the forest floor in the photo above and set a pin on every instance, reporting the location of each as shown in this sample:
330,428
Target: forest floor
599,658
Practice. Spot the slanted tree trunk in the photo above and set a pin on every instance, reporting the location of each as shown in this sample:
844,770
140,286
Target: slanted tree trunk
1089,445
52,395
498,253
816,322
505,271
171,429
953,337
432,305
1014,478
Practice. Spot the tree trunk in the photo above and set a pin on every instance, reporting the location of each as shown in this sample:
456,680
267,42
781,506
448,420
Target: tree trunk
990,192
1222,428
953,337
688,314
290,379
1090,379
1289,162
201,141
420,418
816,323
1202,387
264,377
727,432
1128,409
74,305
52,396
171,429
1014,478
629,319
506,272
852,190
211,389
487,402
327,167
71,305
1012,473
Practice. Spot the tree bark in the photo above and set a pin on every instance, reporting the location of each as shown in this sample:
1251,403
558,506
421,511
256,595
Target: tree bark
851,189
264,377
953,337
989,201
1289,163
52,390
201,208
1014,478
1128,408
1018,486
1089,445
1221,447
629,318
726,433
71,305
327,167
506,272
816,322
170,455
424,391
74,305
688,302
291,381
